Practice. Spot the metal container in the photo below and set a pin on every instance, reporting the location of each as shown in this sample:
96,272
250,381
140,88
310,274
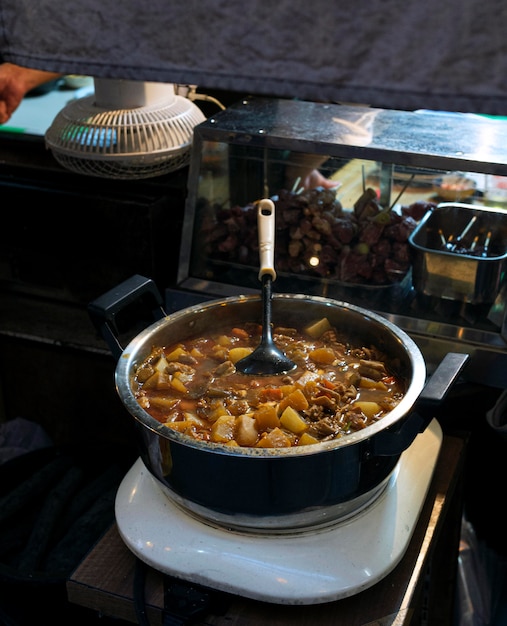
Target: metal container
460,252
284,487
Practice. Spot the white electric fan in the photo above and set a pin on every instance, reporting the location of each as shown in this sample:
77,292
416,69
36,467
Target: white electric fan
125,130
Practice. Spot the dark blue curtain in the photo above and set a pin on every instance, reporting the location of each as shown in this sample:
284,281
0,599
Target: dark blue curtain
399,54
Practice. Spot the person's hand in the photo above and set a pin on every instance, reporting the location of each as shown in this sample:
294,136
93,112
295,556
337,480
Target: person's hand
315,178
303,172
15,82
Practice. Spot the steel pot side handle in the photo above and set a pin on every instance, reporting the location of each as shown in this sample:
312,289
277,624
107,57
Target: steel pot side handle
137,292
392,442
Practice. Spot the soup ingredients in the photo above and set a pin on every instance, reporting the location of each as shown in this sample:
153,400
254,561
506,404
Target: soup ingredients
337,388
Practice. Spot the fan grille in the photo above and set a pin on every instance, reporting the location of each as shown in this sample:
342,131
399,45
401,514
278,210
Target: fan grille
124,143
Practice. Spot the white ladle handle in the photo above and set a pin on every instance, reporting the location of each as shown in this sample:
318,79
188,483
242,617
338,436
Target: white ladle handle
266,228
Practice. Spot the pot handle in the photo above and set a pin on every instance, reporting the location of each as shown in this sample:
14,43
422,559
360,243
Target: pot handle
391,442
112,312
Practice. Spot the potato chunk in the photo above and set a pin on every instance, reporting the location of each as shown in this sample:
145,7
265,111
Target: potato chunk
176,354
178,385
368,383
236,354
158,380
292,420
370,409
317,329
222,430
306,439
246,433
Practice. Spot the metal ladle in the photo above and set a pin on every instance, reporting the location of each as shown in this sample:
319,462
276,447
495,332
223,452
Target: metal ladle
266,359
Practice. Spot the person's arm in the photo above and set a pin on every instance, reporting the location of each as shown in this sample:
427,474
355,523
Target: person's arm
15,82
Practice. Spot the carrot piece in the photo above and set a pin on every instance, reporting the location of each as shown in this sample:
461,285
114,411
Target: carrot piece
389,380
322,355
270,394
274,439
240,333
297,400
327,383
187,404
266,417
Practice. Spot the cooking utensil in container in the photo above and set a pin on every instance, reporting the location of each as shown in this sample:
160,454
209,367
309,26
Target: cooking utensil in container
267,359
460,252
279,488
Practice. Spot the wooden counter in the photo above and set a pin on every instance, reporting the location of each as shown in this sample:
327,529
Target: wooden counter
422,584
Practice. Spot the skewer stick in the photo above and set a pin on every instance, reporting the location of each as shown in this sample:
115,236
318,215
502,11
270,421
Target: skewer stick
404,188
467,228
296,184
459,238
486,244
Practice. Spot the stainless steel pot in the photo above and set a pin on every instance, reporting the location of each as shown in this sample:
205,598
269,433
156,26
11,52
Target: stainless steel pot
275,489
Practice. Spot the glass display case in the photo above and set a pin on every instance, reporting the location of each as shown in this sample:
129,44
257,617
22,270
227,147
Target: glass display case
350,241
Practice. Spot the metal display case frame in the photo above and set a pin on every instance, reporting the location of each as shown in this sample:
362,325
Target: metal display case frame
429,140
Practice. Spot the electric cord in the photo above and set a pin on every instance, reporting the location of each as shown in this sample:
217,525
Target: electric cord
139,599
190,92
206,98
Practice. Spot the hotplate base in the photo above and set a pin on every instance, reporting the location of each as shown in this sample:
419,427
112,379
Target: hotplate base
325,565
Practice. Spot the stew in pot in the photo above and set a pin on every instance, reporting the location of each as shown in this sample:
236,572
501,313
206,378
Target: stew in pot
337,388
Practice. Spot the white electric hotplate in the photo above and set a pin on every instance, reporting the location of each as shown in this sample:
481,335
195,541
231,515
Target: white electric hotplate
312,567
